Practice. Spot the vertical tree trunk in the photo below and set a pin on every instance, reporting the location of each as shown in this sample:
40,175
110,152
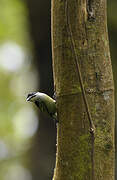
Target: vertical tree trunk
79,33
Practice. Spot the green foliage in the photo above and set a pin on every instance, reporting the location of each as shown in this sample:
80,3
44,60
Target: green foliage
13,107
13,15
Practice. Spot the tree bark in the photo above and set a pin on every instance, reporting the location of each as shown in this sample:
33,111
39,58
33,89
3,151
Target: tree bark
79,36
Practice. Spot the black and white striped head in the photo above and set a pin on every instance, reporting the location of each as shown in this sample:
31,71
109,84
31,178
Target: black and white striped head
32,97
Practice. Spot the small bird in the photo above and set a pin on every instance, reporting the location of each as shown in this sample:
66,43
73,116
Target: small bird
44,102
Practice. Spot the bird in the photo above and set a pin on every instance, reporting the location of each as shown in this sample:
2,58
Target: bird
45,103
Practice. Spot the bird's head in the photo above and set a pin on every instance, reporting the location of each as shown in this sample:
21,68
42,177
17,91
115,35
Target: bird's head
32,97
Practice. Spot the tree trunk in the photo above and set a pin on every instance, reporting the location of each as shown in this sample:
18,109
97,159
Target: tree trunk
80,48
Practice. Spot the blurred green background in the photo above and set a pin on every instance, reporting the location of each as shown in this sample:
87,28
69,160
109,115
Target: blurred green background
27,139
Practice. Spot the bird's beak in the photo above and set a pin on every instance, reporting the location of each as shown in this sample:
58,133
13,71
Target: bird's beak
28,99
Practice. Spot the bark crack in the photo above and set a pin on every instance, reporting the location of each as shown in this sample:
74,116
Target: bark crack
90,10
